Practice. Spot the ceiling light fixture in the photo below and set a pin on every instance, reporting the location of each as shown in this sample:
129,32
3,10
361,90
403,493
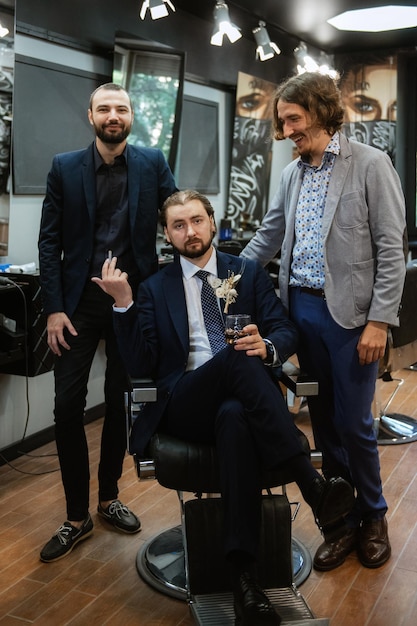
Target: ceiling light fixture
325,64
376,19
266,49
306,63
157,8
3,31
223,26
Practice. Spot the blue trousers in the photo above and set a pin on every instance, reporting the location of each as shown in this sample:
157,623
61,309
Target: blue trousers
341,413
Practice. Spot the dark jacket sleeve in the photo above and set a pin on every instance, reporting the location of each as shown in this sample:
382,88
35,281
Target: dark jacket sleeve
50,244
270,315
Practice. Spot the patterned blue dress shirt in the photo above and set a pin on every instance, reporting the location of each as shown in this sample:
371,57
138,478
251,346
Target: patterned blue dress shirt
307,268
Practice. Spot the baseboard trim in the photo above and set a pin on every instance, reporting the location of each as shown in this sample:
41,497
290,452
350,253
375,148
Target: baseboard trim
43,437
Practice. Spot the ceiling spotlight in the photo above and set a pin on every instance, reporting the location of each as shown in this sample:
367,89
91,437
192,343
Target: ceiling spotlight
223,26
3,31
305,63
157,8
326,64
266,49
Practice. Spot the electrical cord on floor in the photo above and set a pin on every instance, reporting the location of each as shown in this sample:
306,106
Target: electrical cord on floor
9,281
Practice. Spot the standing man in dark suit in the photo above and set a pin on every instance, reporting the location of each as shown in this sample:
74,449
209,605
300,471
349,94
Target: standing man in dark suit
99,201
225,395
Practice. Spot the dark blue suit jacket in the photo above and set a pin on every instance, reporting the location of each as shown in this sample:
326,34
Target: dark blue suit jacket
68,216
153,335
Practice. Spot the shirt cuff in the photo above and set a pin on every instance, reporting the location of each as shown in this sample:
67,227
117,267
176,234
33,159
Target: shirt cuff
122,309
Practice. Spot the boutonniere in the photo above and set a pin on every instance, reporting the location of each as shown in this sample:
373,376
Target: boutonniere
225,289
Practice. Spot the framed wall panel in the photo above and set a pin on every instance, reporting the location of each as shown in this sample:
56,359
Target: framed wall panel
198,149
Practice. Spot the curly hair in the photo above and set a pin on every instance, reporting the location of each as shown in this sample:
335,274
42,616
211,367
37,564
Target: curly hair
316,93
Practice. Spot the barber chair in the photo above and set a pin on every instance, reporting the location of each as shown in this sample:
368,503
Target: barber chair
401,353
186,562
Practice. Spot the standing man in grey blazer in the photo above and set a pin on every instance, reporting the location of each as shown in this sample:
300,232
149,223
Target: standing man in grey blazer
338,218
100,201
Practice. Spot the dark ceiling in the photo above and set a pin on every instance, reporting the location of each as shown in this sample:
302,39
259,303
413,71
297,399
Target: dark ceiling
289,21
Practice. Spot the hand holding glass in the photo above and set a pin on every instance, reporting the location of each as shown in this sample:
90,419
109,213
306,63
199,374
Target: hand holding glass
235,325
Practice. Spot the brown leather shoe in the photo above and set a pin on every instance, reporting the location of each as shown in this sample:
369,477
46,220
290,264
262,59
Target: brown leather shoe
374,548
330,555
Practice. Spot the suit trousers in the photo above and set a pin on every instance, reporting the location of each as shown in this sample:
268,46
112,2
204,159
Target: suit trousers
341,414
93,321
234,402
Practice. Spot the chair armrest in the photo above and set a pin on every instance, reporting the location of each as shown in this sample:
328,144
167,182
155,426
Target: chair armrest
143,390
299,383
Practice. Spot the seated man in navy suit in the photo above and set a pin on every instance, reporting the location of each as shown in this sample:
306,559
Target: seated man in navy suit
227,397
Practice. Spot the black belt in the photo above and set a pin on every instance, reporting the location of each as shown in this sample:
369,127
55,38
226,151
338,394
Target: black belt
319,293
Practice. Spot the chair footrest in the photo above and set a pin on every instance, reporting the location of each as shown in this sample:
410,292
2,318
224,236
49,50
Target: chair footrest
211,609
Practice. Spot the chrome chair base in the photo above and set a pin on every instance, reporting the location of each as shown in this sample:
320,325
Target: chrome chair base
160,562
395,428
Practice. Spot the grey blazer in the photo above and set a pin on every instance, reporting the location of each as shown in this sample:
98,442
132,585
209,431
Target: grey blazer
364,231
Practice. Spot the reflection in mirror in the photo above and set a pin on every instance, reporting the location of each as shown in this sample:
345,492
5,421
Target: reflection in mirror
6,94
154,78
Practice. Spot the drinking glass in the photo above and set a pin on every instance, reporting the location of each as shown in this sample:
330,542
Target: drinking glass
235,325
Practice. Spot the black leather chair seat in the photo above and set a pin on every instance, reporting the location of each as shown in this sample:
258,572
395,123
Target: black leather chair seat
186,466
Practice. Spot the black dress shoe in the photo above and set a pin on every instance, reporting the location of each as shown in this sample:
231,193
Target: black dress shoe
330,501
252,607
331,554
374,548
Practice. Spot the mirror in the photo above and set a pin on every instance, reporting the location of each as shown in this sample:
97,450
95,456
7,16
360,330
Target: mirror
154,78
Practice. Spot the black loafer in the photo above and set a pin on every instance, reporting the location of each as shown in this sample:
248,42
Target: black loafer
331,500
252,607
119,516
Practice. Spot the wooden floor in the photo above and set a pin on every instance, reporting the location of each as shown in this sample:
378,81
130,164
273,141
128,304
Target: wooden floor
98,583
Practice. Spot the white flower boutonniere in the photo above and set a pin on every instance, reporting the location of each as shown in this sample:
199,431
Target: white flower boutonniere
226,288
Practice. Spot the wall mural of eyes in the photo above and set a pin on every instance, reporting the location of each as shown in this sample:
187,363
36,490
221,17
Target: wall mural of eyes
369,93
251,153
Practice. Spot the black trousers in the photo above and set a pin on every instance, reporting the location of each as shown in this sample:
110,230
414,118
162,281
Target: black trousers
233,402
93,322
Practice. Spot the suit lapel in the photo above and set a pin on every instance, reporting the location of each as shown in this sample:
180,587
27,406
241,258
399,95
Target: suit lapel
89,182
173,291
133,173
227,264
337,181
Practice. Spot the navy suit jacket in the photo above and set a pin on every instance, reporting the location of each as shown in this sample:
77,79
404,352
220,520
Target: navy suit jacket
153,335
68,217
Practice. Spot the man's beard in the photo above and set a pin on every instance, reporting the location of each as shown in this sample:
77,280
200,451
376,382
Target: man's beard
112,138
195,253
